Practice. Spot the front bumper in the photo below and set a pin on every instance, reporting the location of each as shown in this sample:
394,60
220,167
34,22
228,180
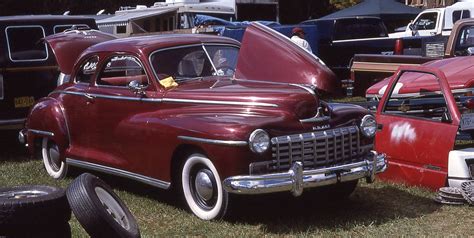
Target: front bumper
295,180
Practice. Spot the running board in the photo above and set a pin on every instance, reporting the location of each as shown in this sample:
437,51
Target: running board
118,172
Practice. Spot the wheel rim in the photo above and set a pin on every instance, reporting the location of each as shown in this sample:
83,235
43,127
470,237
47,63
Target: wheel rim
54,158
113,208
203,187
22,194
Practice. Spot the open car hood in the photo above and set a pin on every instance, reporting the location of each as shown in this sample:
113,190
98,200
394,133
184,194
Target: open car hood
267,55
68,46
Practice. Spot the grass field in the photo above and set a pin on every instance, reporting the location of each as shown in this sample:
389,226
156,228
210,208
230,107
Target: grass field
374,210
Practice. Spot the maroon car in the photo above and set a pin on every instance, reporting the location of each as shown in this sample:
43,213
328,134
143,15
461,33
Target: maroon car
171,111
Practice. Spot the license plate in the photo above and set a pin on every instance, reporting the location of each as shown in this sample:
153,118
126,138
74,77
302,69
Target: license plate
24,102
467,121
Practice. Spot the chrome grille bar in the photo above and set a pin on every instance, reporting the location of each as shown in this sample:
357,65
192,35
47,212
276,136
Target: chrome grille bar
316,149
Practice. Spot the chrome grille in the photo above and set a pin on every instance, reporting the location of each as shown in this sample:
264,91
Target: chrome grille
316,149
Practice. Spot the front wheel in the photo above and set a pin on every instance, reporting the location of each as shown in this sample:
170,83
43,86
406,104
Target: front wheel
53,164
202,188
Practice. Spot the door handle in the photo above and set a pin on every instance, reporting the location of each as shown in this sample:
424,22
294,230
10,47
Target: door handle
89,97
379,127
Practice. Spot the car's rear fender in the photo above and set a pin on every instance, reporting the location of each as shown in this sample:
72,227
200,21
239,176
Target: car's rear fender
47,119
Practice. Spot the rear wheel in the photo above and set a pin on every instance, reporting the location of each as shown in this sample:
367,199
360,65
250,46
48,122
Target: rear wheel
202,188
53,164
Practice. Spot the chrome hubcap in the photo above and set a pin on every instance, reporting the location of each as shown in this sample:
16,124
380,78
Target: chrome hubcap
54,157
23,194
203,184
112,207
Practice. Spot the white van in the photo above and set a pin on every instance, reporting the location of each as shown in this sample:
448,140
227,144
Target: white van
437,21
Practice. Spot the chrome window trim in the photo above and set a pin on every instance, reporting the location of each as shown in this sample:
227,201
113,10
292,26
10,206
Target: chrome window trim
40,132
119,172
2,91
104,65
213,141
70,25
28,60
167,100
82,64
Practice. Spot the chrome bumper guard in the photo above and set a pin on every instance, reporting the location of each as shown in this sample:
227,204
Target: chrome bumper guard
295,180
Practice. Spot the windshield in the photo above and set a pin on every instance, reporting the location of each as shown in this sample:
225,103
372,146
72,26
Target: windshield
195,61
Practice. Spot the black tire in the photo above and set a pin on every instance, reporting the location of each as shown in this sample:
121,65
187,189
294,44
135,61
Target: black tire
34,205
95,205
51,231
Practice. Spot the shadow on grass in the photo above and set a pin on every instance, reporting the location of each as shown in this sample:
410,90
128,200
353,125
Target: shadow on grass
10,148
284,214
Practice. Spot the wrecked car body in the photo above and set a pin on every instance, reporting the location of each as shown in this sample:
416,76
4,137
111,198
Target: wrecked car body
427,135
186,111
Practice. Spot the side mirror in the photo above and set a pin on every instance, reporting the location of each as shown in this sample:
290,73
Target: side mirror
411,26
137,88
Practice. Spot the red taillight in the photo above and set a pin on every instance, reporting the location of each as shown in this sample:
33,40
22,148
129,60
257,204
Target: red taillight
398,47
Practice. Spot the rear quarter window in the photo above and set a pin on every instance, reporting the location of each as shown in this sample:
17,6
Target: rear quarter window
25,43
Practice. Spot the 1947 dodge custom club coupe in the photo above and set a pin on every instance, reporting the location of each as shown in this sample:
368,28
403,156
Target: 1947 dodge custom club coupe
196,112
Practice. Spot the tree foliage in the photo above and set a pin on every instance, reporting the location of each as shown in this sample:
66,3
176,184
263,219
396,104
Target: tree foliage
340,4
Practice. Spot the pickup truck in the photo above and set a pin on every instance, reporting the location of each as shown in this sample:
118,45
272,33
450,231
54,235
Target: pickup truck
335,41
427,131
340,38
437,21
369,69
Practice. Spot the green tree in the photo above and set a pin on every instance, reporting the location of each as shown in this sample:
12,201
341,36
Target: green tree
340,4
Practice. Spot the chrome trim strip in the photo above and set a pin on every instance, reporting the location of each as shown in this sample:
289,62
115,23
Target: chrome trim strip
118,172
39,132
12,121
212,141
310,90
234,103
27,60
168,100
316,118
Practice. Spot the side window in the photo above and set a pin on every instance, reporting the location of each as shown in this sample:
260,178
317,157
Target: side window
428,103
426,21
181,63
87,70
120,70
461,14
25,43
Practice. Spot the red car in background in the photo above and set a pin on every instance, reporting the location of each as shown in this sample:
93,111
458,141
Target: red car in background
425,123
202,113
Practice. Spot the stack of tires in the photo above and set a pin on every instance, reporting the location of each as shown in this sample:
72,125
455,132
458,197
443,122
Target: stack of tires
45,211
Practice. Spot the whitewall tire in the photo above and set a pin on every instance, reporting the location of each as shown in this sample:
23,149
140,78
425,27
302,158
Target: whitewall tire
202,188
53,164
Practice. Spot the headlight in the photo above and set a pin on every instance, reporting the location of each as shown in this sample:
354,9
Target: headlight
368,126
259,141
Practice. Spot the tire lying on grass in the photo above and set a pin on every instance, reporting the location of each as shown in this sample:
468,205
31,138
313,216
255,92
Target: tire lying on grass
32,206
99,210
